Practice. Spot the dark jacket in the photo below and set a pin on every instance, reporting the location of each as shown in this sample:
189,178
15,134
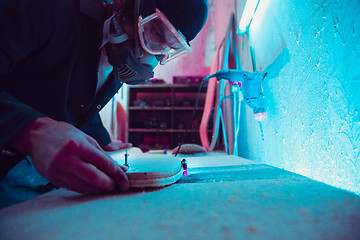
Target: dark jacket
49,56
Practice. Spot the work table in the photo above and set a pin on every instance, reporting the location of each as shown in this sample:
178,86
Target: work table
223,197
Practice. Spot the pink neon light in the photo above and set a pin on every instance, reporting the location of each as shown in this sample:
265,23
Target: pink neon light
238,83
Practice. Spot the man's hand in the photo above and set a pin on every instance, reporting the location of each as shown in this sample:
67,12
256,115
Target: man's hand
116,145
69,158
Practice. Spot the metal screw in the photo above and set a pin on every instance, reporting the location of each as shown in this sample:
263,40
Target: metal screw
126,158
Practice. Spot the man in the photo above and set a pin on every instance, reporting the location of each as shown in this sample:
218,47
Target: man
49,92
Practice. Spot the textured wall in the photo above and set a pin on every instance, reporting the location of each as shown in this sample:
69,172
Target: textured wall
313,94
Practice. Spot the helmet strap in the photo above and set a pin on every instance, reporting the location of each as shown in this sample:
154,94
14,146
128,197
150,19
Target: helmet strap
136,19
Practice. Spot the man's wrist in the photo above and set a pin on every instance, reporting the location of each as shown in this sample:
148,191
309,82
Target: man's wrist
23,140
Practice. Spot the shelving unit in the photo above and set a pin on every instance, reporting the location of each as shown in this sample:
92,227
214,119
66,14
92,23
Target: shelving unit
158,115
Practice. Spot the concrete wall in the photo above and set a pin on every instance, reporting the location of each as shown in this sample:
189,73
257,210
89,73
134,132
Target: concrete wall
313,91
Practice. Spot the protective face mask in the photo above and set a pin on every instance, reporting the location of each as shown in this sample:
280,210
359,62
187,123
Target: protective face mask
127,68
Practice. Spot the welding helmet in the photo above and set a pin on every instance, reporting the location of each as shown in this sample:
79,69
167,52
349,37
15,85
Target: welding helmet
159,31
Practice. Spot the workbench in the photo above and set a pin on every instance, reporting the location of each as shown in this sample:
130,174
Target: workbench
222,197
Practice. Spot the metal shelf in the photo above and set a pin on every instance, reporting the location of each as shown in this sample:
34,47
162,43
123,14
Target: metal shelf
173,109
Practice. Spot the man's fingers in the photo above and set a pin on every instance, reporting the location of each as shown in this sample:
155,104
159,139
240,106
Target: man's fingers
91,175
117,145
104,163
122,181
124,168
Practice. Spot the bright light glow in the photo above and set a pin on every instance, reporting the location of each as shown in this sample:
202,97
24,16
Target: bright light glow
260,116
247,16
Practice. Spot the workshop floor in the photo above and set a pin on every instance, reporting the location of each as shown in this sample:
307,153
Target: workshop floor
223,197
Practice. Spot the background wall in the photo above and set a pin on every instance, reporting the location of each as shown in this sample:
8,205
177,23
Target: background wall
196,63
204,45
313,91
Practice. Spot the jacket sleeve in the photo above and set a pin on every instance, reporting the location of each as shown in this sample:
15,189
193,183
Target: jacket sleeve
17,40
14,116
96,129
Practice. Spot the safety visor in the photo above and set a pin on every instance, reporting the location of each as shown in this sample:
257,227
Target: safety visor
159,37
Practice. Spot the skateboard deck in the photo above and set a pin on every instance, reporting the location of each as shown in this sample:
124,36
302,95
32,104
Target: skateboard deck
149,170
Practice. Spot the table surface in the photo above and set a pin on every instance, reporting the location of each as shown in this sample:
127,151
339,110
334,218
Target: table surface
223,197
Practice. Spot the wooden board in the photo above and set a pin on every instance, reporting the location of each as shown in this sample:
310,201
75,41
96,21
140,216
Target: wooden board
149,170
189,149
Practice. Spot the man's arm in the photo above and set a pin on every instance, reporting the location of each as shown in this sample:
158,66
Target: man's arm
70,158
15,116
60,152
17,41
